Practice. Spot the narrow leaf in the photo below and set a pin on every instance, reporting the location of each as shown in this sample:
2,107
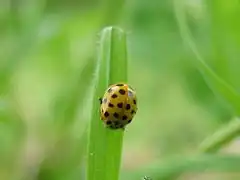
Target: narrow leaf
105,145
218,85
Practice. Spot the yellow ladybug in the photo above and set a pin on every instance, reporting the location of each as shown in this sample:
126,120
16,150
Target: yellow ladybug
118,106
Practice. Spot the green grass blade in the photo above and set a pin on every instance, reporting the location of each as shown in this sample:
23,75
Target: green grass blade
211,163
66,106
63,159
105,145
172,168
221,137
218,85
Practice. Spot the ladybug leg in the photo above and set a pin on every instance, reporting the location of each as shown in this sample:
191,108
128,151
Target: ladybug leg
101,115
105,126
112,127
100,99
122,127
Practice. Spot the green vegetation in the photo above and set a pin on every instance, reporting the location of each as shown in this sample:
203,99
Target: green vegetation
58,57
105,145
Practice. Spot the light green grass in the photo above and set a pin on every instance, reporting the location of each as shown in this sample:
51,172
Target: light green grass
46,45
223,136
105,145
220,87
171,168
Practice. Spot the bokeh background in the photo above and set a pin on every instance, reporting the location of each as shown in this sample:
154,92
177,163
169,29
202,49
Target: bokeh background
47,65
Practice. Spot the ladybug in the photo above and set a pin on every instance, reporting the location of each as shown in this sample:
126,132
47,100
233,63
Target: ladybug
118,106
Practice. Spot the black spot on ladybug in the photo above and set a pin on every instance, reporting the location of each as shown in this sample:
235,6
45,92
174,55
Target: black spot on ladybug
124,117
122,91
128,106
106,114
109,90
119,84
114,96
108,122
120,105
129,121
104,100
132,112
116,115
134,101
110,105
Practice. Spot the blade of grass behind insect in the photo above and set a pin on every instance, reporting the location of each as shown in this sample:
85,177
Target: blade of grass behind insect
68,147
218,85
172,168
221,137
105,145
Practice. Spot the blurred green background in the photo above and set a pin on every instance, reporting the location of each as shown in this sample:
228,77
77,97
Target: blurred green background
47,66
